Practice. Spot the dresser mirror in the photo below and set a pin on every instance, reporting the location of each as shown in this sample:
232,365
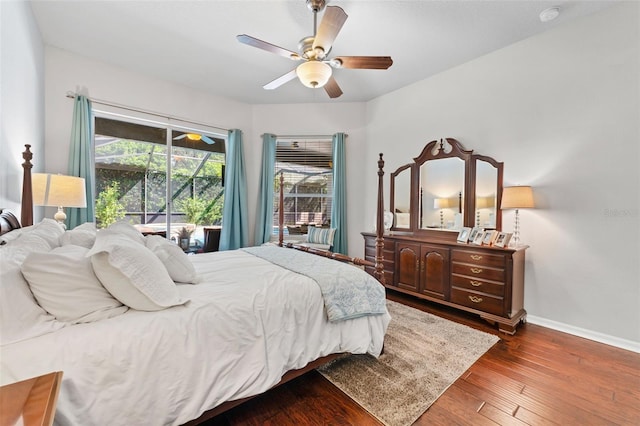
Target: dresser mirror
401,196
431,194
488,189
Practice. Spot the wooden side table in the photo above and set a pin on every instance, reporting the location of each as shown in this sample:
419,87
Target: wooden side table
33,400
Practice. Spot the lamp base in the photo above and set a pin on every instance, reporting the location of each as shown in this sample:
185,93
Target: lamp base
61,217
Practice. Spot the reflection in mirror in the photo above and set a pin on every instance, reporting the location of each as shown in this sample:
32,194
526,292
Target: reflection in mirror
402,199
486,197
442,194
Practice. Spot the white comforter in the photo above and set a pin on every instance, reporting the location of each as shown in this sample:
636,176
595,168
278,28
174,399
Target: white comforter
247,323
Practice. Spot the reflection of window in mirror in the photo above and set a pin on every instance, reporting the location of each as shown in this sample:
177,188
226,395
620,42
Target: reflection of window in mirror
442,179
486,184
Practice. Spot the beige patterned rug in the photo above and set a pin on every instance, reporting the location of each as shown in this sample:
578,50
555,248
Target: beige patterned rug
423,355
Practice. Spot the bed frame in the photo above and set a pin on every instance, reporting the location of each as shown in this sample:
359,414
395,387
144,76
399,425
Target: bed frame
9,222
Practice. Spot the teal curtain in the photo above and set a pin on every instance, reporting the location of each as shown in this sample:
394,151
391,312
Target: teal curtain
234,212
264,217
339,209
81,159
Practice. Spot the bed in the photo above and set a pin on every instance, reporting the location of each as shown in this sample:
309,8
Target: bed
229,326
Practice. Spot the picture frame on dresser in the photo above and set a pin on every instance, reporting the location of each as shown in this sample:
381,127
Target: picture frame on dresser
489,237
463,235
502,239
474,232
478,238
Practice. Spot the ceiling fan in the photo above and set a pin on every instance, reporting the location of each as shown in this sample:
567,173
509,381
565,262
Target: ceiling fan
316,69
195,137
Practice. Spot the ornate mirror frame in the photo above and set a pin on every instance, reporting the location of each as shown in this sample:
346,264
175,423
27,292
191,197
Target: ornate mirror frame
442,149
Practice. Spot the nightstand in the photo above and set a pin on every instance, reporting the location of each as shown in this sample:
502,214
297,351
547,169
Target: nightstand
32,401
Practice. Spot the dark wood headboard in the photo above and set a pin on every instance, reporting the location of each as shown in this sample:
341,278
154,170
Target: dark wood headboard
8,221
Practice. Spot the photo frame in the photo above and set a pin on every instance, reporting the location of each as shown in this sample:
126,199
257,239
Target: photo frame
502,239
477,240
489,237
474,232
463,235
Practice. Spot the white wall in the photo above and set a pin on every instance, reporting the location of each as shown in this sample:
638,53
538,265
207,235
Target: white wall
21,99
562,111
70,72
315,119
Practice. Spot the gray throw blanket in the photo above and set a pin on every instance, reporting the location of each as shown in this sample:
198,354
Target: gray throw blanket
348,291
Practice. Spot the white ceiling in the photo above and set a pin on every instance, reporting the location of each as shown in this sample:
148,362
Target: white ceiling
194,42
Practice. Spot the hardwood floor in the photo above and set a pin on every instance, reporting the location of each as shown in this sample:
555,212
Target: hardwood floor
537,377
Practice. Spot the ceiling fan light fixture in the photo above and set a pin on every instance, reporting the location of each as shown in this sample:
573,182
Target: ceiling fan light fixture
194,136
314,74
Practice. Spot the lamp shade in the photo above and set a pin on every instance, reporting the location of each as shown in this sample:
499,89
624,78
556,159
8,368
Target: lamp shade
485,202
313,74
58,190
517,197
442,203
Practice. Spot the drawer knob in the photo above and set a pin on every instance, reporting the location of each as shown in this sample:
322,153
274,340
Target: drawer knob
476,270
475,299
476,257
475,283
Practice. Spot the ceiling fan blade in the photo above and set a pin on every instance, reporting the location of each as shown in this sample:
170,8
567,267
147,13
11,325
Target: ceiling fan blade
365,62
332,88
207,139
184,135
330,26
281,80
252,41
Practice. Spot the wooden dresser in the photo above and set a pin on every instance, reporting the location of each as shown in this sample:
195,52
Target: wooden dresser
485,280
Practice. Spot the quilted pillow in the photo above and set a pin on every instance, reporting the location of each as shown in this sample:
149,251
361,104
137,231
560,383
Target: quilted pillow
83,235
127,229
321,235
132,273
17,250
48,229
64,284
178,265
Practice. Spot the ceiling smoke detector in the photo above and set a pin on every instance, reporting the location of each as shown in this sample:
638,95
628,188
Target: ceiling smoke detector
549,14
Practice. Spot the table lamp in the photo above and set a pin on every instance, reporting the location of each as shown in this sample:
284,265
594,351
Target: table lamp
59,191
517,197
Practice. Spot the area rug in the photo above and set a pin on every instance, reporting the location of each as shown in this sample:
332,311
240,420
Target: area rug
423,355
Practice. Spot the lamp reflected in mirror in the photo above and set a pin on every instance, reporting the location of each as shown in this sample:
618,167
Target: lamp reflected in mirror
442,203
59,191
485,203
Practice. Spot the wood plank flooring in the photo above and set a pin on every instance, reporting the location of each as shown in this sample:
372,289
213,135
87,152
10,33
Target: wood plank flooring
536,377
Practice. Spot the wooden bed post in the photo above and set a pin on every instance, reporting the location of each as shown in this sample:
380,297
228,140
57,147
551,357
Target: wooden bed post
26,211
379,267
281,212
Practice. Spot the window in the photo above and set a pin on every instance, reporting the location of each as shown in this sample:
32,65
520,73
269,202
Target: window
307,168
132,162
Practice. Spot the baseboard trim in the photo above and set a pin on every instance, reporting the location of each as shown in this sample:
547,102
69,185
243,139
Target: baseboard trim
629,345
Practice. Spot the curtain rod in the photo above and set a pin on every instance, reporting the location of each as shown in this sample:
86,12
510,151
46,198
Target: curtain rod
302,136
72,95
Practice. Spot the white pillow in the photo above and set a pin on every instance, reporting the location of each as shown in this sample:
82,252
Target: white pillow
20,316
64,284
17,250
132,273
48,229
83,235
127,229
176,261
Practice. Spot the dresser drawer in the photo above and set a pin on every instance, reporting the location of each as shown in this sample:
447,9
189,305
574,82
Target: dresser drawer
468,283
480,271
478,258
480,301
